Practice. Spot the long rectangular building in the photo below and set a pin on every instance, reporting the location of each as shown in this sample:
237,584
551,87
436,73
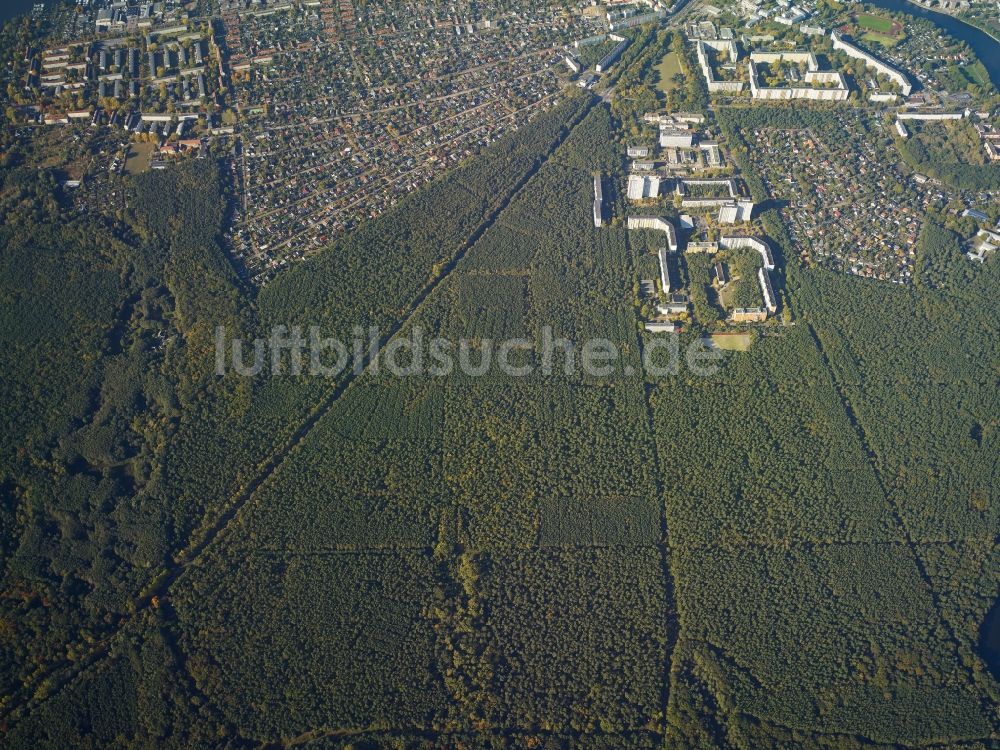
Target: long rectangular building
839,43
929,116
770,301
664,270
656,224
626,23
752,243
612,56
598,201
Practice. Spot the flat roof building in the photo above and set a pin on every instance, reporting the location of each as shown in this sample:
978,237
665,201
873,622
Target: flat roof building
660,326
643,186
736,212
849,49
598,201
929,115
656,224
720,274
664,270
608,60
719,45
676,138
748,315
752,243
770,301
820,85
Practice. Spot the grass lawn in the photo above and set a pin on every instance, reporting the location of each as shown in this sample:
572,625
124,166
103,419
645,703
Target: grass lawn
881,39
732,342
668,67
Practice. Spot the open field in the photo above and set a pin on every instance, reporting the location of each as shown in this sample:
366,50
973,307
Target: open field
668,67
732,342
886,41
138,158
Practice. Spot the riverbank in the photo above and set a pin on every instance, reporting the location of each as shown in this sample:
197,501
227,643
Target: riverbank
983,44
954,14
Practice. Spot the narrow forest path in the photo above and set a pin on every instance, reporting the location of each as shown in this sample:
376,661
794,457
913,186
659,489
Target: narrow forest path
663,544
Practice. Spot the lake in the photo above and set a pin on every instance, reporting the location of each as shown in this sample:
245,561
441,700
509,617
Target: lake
987,48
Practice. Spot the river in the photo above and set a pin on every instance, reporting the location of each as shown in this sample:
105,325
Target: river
11,8
987,48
